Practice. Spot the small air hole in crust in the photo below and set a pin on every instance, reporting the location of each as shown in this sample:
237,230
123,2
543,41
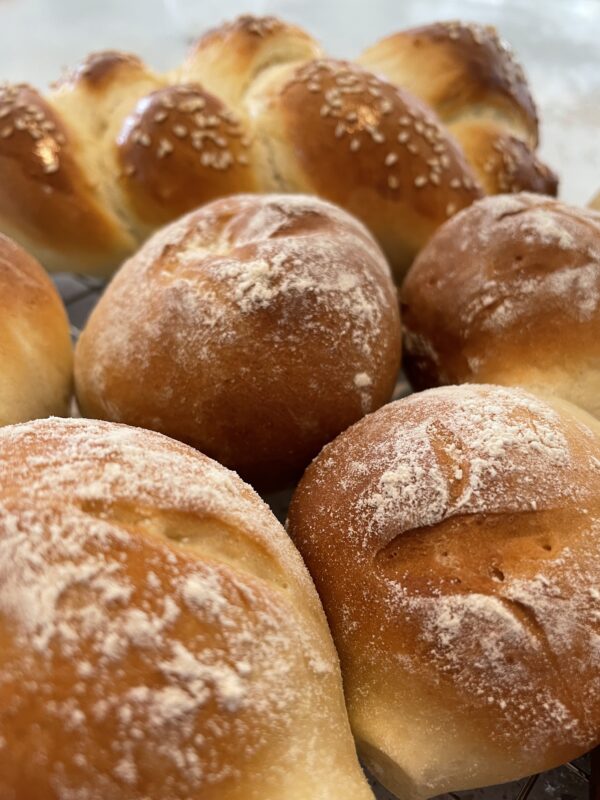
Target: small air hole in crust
547,546
497,574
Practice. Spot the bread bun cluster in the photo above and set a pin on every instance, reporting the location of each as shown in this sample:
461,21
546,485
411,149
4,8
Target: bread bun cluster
116,150
35,345
508,292
454,539
160,636
256,328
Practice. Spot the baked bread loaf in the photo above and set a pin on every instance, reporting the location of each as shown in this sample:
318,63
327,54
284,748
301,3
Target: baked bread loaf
471,79
508,292
36,361
115,150
256,329
454,539
159,634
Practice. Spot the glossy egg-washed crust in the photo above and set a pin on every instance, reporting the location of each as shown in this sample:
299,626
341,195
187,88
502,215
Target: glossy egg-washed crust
115,150
470,77
35,345
509,292
159,634
454,539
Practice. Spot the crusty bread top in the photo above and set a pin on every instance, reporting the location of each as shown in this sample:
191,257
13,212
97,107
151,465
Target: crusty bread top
159,635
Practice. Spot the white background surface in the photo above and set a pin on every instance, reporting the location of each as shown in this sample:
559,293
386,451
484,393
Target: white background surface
558,42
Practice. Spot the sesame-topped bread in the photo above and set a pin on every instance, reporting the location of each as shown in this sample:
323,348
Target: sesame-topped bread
471,79
159,634
454,539
115,150
256,328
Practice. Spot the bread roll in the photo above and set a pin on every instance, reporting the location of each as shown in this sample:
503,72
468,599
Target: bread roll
35,347
454,538
159,634
255,329
509,292
471,79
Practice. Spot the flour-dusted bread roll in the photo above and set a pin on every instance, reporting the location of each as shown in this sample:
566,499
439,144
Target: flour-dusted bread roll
35,346
159,634
454,538
256,329
509,292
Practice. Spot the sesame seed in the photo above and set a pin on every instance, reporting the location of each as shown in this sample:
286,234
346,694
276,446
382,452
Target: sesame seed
242,159
354,145
6,131
385,107
450,209
434,178
180,131
445,161
164,148
160,116
390,159
5,111
404,120
340,129
412,148
144,139
420,181
455,183
51,167
393,182
352,116
419,127
403,137
324,112
378,137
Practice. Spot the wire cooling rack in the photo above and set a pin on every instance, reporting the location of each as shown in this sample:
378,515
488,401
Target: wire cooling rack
570,782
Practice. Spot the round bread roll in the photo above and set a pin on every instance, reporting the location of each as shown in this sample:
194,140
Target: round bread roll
159,634
454,538
35,346
256,329
509,292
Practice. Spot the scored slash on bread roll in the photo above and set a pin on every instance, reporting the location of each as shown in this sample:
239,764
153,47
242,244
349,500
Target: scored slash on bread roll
159,634
471,79
454,539
36,359
256,329
509,292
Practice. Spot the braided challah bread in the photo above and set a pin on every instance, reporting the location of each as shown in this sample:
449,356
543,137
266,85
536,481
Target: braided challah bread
159,634
469,76
115,150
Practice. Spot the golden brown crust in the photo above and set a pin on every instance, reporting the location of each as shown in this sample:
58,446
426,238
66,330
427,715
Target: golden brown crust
51,205
227,59
256,328
503,163
470,78
338,131
458,69
159,635
181,147
454,539
36,361
98,70
508,292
